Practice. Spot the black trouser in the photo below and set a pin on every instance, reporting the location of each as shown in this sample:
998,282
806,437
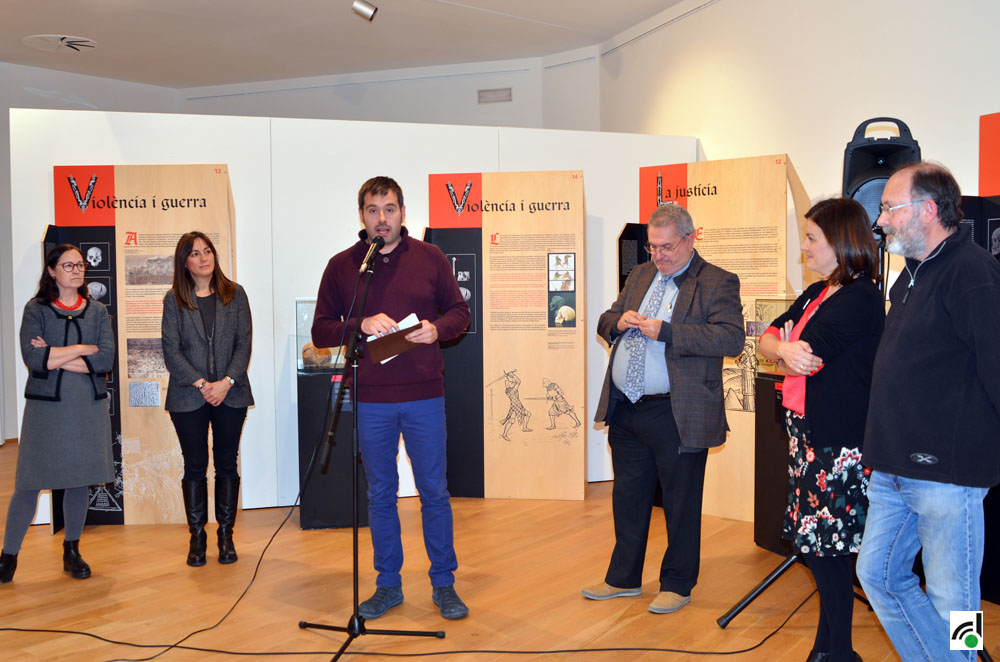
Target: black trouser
644,446
192,432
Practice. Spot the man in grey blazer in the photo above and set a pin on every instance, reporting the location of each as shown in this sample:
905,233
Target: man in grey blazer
663,402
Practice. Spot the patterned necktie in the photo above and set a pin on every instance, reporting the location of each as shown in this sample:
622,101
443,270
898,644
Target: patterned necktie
635,343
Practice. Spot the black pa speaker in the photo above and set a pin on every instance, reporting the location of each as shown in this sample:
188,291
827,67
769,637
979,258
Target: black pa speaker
869,162
631,250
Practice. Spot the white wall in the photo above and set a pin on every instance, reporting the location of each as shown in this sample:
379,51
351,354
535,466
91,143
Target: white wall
571,92
445,94
31,87
746,78
295,187
47,138
610,164
773,76
318,168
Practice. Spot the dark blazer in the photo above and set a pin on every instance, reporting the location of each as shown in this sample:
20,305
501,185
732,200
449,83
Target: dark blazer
90,326
845,333
185,350
707,325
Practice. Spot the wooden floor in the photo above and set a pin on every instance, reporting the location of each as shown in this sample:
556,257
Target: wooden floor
521,567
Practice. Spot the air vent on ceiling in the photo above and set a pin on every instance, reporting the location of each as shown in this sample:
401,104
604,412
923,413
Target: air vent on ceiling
497,95
51,43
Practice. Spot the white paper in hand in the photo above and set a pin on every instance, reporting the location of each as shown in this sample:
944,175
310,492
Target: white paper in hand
407,322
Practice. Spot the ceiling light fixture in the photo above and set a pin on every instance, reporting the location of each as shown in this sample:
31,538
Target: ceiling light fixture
365,10
58,42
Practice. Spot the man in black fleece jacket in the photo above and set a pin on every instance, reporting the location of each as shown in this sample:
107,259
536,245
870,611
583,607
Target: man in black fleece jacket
933,432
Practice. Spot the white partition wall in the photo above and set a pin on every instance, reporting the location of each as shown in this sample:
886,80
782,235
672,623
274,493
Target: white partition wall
41,139
295,187
610,164
318,167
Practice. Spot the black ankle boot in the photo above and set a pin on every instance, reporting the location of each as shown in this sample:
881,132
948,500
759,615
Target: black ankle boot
8,564
196,507
73,563
227,492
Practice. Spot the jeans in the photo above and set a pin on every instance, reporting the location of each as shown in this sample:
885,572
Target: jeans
946,521
422,425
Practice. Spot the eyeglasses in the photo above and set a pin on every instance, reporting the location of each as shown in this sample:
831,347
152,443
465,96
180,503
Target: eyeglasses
886,209
653,249
68,267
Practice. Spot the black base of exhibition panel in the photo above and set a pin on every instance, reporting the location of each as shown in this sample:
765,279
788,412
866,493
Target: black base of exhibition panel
983,215
463,364
326,501
97,243
770,484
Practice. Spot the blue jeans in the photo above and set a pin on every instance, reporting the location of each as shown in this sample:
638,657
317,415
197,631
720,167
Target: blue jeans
946,521
422,425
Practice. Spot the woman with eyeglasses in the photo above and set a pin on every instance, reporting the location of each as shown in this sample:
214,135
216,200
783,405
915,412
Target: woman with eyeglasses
825,344
207,333
68,346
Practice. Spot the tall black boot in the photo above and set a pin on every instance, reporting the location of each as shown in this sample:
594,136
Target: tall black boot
227,492
196,507
73,563
8,564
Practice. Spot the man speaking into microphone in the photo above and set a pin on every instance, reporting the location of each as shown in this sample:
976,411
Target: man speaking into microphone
404,395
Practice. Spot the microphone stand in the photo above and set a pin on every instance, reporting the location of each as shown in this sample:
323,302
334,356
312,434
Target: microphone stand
356,623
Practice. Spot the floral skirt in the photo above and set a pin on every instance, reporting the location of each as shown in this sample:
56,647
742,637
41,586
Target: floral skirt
827,494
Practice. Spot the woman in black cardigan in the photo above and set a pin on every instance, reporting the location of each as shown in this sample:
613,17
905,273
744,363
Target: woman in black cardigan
207,333
825,344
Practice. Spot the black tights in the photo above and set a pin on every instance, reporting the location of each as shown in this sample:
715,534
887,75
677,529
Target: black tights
834,578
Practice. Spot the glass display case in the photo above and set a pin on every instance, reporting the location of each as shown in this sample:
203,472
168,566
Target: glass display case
309,357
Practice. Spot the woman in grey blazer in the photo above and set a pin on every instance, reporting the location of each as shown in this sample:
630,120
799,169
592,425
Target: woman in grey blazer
207,334
65,443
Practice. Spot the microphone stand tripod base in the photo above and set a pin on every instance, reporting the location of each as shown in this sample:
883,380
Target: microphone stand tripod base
356,627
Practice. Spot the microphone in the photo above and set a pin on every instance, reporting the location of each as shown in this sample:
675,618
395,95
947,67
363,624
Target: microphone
377,244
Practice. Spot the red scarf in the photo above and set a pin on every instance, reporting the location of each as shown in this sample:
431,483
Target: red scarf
793,390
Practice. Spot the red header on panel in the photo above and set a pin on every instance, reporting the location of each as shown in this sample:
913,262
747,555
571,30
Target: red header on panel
989,155
661,185
455,200
85,195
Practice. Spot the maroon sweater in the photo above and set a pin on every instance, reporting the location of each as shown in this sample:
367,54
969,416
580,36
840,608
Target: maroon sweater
413,278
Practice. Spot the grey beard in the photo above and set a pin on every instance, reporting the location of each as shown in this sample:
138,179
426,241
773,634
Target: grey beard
908,246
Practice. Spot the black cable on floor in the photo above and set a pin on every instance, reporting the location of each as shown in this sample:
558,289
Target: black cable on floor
564,651
260,559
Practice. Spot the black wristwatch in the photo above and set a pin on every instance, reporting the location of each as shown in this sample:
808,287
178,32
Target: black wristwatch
232,382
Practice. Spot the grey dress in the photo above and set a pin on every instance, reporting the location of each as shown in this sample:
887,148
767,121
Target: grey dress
66,432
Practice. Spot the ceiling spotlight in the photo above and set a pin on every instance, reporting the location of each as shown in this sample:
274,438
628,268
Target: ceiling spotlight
365,10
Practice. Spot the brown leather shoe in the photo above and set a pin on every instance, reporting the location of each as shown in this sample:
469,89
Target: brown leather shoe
667,602
605,591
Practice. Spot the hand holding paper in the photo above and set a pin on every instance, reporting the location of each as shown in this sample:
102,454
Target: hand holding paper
383,347
426,334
